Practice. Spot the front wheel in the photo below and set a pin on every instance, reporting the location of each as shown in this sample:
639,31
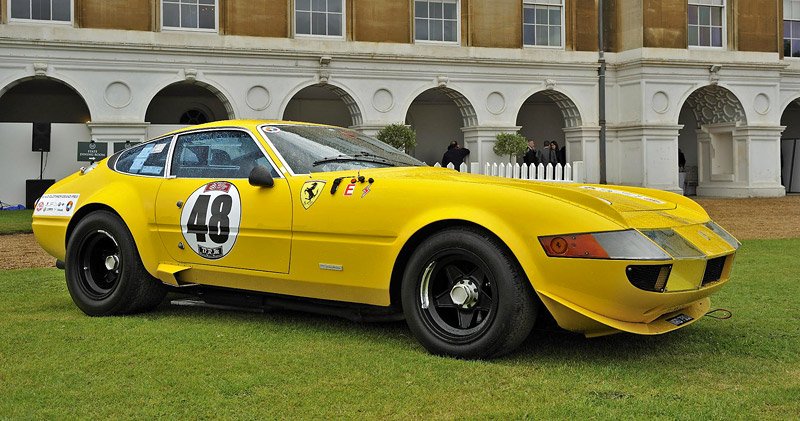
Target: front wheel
104,272
464,296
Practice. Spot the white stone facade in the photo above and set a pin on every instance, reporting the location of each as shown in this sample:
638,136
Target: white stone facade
739,98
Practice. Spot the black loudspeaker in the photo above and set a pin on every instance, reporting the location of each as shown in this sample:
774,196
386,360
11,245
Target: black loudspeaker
41,137
34,189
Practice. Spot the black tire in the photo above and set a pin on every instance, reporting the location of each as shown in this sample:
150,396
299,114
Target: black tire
464,296
104,272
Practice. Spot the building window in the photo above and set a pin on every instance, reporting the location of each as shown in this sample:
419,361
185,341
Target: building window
198,15
436,20
542,22
59,11
319,17
791,28
706,23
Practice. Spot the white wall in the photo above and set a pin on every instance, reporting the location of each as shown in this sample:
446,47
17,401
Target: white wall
18,163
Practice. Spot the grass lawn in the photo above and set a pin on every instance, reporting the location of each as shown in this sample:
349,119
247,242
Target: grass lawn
14,222
200,363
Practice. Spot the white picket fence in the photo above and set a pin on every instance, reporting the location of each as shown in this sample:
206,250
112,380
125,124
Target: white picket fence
574,172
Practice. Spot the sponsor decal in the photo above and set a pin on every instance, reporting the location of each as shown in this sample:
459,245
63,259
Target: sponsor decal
366,191
624,193
680,319
222,186
210,219
271,129
348,191
56,205
310,192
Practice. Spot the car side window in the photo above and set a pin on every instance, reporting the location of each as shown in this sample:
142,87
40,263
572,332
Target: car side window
146,159
217,154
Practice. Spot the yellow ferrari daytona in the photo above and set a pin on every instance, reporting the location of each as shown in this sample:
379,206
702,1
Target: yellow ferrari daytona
274,214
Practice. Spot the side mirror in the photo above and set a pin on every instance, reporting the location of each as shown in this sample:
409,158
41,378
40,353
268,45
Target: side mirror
261,177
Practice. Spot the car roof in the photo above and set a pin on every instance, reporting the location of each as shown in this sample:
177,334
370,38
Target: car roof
249,124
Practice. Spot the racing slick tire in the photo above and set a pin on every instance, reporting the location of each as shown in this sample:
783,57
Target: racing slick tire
104,272
465,296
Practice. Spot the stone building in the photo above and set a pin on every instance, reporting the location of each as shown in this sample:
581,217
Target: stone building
716,78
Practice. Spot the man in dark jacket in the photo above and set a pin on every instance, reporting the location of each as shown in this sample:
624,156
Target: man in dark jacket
532,155
455,154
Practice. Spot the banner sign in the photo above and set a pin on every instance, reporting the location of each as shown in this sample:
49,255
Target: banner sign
121,146
92,151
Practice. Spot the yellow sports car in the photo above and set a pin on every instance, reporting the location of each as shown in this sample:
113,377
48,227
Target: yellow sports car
292,215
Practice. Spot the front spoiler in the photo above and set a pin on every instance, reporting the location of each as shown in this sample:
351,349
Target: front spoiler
578,319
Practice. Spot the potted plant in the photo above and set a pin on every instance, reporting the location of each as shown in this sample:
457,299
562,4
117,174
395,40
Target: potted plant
511,144
400,136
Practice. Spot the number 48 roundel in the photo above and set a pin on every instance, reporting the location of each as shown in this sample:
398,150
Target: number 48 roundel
210,219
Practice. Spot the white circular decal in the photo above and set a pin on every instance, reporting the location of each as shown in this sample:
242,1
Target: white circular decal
210,219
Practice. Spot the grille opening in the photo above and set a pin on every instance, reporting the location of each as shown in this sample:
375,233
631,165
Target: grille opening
714,269
648,277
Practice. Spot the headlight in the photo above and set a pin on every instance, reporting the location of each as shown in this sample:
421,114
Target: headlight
617,245
724,234
674,244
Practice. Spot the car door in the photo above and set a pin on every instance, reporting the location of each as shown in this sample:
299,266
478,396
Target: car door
207,213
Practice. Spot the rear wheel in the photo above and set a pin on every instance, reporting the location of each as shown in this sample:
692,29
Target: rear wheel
104,272
464,296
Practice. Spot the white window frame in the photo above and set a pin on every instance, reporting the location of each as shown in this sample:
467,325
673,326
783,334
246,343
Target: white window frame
563,24
724,19
341,37
785,19
43,21
165,28
434,42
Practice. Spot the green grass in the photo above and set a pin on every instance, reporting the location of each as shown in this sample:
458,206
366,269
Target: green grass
14,222
200,363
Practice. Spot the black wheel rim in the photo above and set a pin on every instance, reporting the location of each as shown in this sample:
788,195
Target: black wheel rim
100,265
457,295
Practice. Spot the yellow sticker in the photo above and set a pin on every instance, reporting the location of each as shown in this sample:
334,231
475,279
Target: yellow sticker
310,192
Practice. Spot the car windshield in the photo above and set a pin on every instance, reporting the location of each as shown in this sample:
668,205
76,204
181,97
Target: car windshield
308,149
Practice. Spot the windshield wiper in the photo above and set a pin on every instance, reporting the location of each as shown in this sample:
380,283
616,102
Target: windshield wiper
358,157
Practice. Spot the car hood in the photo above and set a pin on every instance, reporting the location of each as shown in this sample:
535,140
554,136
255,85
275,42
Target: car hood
621,199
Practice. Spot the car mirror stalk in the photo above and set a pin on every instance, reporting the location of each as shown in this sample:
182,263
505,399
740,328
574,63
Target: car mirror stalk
261,177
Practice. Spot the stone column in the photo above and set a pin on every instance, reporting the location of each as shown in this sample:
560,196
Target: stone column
117,132
481,139
583,144
645,155
370,129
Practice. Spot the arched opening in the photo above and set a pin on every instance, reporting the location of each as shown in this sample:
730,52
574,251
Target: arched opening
545,115
43,100
186,103
323,104
790,148
39,116
707,140
438,115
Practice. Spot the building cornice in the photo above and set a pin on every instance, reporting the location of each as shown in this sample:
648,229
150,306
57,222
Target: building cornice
213,45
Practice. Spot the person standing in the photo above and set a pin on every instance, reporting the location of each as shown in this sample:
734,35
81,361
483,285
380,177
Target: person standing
532,155
550,154
561,153
455,154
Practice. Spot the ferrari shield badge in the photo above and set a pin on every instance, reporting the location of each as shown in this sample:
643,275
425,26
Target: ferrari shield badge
310,192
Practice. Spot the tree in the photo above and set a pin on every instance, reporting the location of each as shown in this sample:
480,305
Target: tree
511,144
398,135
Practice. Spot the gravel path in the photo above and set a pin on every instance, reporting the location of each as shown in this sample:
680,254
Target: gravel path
744,218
